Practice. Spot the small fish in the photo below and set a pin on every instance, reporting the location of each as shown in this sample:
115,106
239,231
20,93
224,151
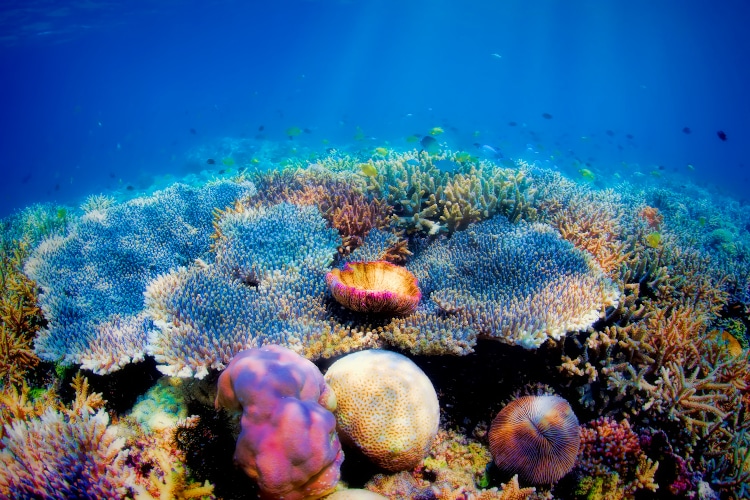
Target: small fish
261,128
412,138
228,161
193,131
211,161
293,132
436,130
690,167
368,169
381,151
490,151
629,136
496,55
609,133
512,124
587,174
722,135
129,187
429,144
653,239
546,116
307,130
686,130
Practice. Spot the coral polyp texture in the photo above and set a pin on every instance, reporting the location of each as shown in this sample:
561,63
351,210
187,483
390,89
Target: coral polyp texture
517,283
93,278
266,286
288,441
64,456
386,407
375,287
536,437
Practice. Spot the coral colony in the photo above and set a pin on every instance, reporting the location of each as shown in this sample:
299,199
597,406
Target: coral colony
415,324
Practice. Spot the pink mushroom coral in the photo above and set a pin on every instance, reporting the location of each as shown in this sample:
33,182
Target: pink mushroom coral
288,442
375,287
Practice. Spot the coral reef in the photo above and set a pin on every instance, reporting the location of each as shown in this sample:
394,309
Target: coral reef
288,442
386,407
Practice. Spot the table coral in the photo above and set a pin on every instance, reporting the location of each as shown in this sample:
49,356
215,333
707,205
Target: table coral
266,286
520,284
102,266
288,441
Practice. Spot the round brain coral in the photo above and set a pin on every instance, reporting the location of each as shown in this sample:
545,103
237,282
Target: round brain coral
386,407
536,437
375,287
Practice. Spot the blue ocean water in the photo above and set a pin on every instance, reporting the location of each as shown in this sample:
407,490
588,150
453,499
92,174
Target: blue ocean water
106,97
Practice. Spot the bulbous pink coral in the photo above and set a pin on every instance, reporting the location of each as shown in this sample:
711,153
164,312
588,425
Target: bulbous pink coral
375,287
288,442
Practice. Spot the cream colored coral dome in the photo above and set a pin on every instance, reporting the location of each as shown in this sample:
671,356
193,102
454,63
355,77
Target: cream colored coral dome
387,407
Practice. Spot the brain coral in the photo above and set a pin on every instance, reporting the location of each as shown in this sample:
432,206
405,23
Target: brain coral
94,277
288,442
536,437
518,283
386,406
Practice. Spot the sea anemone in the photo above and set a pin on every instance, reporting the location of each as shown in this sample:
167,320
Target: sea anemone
375,287
536,437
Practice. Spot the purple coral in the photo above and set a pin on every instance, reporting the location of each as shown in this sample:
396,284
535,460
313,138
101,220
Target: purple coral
63,457
288,442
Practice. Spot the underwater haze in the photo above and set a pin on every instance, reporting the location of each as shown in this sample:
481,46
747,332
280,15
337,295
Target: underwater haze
110,97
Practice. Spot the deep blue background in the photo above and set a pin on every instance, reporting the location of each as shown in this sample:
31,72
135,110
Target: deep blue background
77,79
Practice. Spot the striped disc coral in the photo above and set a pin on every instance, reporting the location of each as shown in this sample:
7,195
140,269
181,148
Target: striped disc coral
375,287
536,437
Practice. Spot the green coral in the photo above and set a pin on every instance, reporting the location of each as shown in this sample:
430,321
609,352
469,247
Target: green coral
447,192
600,487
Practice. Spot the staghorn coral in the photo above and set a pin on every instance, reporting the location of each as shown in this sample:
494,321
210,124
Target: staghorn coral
430,200
94,277
20,317
592,222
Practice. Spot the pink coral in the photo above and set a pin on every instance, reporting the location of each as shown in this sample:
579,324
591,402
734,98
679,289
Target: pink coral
288,442
375,287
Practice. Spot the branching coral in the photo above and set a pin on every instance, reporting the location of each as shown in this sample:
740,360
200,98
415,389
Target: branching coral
611,450
430,199
100,269
70,453
20,317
